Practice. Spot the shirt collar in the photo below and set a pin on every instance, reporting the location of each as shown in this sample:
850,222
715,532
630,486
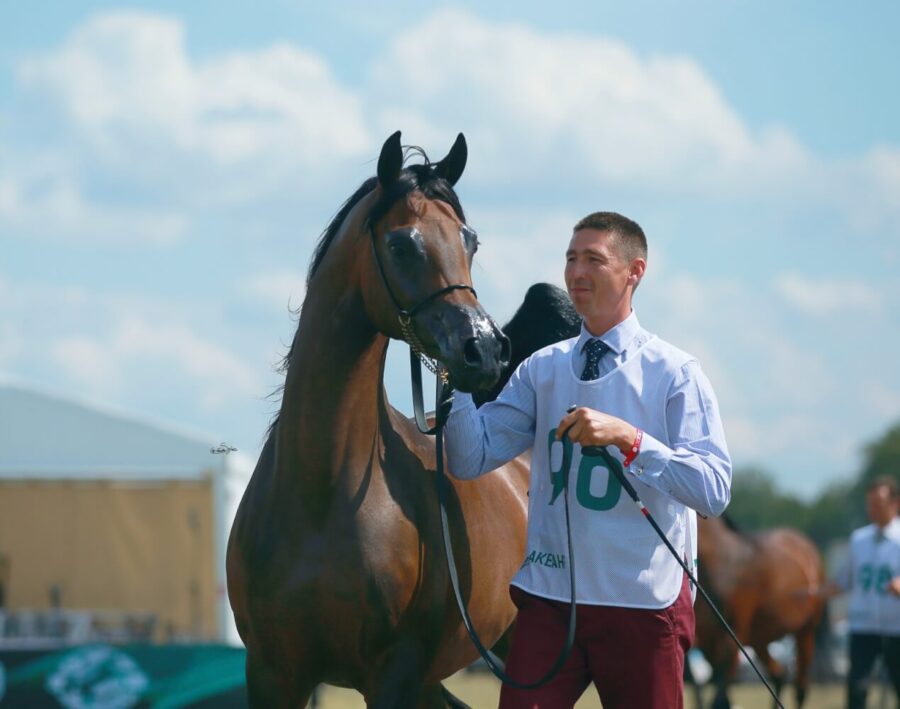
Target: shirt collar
616,338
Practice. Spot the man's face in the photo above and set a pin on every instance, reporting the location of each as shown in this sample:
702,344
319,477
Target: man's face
882,508
597,278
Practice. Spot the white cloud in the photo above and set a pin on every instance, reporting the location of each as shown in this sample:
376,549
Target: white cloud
574,105
94,365
519,246
883,163
163,353
882,397
237,127
278,289
11,346
868,189
205,361
127,82
52,206
826,297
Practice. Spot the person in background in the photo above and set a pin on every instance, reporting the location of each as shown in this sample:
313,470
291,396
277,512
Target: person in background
872,577
619,386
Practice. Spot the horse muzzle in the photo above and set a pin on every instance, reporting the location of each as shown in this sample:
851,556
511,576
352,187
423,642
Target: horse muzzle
471,346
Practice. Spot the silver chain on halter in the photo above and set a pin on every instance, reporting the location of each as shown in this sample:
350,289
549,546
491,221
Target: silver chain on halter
433,365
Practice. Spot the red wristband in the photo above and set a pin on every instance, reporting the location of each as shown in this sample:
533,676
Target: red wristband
633,451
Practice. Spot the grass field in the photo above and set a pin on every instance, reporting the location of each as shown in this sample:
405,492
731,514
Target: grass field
481,691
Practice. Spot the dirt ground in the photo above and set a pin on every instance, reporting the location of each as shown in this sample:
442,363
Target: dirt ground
481,691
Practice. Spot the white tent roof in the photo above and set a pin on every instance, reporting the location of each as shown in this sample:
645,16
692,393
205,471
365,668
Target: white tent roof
44,436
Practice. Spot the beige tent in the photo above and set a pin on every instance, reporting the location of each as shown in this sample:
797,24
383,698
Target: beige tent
106,515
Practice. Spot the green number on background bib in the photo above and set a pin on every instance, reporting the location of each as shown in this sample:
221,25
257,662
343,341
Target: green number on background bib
865,577
883,579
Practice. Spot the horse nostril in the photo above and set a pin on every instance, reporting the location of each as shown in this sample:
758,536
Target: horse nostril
505,349
472,352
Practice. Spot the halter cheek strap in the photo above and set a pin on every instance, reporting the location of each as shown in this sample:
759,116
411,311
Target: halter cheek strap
405,315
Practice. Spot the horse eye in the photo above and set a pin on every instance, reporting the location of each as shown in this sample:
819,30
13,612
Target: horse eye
469,239
398,248
403,243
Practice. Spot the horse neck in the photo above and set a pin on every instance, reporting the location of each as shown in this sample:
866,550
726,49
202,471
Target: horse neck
719,542
333,394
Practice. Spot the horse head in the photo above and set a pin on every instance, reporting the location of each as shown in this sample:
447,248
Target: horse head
419,285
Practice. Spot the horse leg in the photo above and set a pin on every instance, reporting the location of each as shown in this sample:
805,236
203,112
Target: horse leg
265,691
501,647
720,700
776,672
691,680
262,687
805,645
437,696
396,679
724,664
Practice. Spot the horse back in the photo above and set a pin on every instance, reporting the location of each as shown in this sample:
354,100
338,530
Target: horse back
793,573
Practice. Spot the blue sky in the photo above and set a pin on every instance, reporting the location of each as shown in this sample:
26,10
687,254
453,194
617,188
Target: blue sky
165,169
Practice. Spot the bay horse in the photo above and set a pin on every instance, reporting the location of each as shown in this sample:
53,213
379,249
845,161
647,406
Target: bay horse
767,585
336,570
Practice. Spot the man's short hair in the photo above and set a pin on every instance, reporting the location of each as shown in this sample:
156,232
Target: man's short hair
888,481
632,242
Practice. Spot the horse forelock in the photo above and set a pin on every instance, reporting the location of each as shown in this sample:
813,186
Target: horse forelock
413,178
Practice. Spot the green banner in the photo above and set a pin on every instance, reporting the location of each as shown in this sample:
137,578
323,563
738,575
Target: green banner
123,676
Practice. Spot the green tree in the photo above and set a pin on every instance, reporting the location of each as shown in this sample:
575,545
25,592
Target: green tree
881,457
757,503
834,514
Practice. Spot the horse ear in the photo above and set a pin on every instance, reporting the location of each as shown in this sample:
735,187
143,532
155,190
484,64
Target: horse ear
390,161
452,166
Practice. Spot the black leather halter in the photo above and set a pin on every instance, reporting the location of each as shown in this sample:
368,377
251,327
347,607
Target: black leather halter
405,315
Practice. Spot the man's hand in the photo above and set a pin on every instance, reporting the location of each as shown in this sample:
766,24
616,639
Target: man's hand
893,586
594,428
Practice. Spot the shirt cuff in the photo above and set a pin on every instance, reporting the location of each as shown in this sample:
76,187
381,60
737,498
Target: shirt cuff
651,460
461,402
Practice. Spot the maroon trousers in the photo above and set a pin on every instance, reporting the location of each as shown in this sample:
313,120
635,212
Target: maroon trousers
634,656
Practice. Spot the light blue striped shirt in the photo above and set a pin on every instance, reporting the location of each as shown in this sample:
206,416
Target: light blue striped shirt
693,467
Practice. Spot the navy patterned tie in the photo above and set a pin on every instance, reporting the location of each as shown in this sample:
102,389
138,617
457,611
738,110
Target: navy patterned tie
593,350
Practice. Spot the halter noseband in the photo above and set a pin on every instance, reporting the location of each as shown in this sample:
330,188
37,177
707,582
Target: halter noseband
405,315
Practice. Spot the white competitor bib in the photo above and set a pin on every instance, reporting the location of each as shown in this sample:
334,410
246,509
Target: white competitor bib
619,558
875,560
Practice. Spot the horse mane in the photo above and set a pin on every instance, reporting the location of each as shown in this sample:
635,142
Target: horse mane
731,524
421,177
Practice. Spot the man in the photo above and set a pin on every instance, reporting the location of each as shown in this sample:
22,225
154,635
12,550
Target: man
652,406
872,576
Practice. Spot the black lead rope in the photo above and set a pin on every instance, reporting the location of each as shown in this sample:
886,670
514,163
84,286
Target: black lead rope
494,663
602,452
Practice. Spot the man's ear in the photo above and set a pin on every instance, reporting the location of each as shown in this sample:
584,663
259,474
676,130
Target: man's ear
636,270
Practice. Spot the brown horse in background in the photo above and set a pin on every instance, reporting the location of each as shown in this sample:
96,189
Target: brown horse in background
767,585
336,570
